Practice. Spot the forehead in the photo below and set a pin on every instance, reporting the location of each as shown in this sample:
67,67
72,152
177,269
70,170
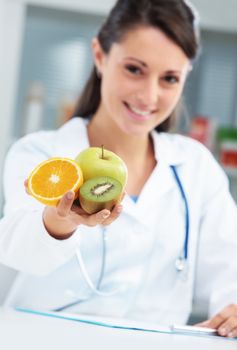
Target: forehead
152,46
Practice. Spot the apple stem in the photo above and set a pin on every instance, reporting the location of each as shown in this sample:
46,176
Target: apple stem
102,151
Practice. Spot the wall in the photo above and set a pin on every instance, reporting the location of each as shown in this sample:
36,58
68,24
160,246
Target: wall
217,14
90,6
11,24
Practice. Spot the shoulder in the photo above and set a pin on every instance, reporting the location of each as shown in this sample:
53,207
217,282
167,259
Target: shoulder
196,154
33,148
39,142
195,163
181,149
49,143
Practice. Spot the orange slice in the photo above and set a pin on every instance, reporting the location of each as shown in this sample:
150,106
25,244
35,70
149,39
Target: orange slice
51,179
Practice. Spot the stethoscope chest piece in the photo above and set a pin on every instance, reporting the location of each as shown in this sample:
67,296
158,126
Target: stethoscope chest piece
181,266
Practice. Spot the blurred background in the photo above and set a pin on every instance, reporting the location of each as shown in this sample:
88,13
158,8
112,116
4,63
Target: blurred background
45,59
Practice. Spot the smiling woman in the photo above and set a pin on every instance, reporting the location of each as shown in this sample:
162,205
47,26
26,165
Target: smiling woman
146,259
146,87
178,24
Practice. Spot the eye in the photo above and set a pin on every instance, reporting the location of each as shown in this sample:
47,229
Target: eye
171,79
133,69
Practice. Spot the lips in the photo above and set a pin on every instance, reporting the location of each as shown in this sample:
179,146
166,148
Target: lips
137,113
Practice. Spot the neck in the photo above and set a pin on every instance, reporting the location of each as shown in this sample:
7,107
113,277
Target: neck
131,148
137,151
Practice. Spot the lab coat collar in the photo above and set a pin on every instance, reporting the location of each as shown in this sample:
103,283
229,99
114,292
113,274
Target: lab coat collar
168,151
74,133
166,147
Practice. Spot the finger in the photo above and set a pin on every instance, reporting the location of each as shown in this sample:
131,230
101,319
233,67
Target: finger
123,195
78,210
65,204
228,327
233,333
97,218
203,324
26,186
114,215
216,321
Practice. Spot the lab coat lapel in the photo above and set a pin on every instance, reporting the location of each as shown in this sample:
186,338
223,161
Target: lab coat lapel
160,183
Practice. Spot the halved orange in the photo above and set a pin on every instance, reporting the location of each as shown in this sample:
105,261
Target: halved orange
52,178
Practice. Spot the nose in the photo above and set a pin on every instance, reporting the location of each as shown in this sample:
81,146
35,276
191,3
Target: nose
148,95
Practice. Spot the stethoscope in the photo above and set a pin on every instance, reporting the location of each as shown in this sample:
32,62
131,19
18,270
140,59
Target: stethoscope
181,262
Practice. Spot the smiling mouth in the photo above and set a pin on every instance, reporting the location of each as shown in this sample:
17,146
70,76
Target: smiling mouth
139,113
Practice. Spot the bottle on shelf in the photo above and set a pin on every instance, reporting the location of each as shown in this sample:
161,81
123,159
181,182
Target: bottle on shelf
227,147
33,109
203,129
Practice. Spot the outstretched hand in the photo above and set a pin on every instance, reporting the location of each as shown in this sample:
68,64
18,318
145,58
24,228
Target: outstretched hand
225,322
62,221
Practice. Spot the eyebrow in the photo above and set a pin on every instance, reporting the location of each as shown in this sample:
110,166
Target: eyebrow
137,60
174,72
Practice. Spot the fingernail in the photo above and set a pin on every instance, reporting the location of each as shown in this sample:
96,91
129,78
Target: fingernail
119,209
230,335
70,195
105,215
223,331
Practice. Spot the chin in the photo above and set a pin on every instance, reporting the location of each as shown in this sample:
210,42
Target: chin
137,131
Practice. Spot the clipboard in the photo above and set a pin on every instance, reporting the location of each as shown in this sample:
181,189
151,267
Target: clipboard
126,324
100,321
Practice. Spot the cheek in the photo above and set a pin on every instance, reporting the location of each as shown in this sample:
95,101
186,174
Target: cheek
171,98
116,91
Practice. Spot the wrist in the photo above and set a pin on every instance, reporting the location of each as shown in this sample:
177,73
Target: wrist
57,227
60,236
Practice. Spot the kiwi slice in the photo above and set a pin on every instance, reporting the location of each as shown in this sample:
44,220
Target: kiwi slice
99,193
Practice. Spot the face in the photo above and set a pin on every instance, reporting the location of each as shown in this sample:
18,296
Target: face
142,80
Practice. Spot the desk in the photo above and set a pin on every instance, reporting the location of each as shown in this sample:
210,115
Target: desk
21,331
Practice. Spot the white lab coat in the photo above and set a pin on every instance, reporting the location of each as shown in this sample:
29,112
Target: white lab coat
142,244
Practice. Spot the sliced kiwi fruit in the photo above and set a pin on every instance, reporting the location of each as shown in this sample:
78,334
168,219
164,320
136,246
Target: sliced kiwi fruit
99,193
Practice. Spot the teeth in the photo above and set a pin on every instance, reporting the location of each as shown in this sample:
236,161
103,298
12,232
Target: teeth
138,111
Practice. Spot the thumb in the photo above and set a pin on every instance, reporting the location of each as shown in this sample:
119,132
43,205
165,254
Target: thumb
203,324
26,186
65,204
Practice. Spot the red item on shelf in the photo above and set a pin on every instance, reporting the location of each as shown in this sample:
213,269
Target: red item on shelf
202,129
228,154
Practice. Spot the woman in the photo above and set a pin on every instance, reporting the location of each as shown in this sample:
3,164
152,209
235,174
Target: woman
170,245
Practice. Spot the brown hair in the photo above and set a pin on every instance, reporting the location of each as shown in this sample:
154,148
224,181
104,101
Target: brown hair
174,17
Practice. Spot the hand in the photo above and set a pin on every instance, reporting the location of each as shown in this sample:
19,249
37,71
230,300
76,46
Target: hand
225,322
62,221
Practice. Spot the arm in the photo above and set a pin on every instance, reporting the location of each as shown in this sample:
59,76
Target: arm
24,242
216,274
34,238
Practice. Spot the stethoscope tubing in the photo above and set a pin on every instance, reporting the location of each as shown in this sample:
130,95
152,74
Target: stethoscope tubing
187,214
95,289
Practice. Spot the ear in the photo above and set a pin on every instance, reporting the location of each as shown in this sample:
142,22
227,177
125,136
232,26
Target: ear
98,54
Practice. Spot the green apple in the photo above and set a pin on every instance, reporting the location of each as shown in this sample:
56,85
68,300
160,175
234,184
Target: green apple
97,161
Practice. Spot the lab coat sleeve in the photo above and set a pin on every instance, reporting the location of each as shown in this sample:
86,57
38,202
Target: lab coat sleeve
216,273
25,244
